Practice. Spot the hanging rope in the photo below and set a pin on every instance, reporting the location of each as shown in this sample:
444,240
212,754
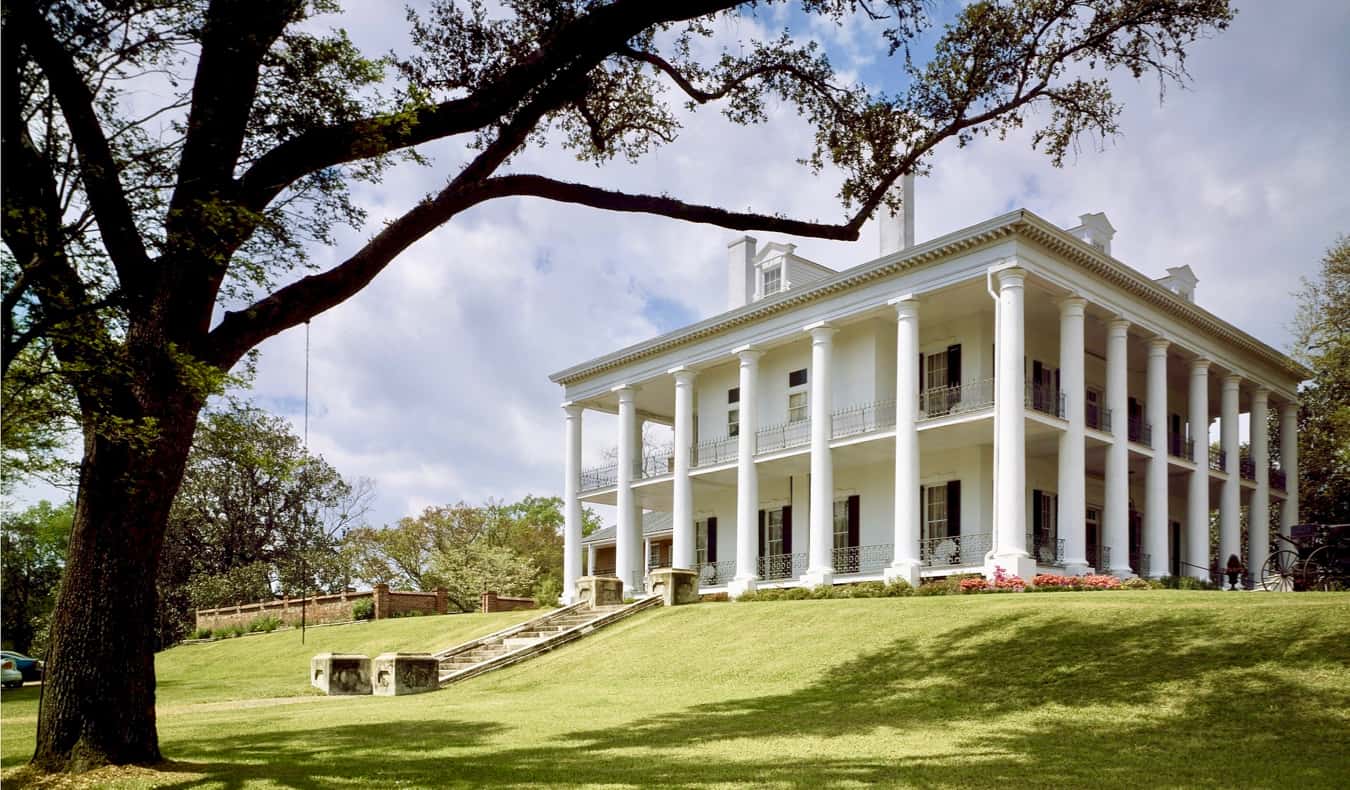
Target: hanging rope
304,585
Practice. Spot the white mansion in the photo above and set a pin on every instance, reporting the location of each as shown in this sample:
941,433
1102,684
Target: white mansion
1006,395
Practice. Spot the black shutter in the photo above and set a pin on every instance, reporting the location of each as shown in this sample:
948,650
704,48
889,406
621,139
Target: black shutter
920,373
712,539
1037,523
762,537
787,529
921,519
1134,408
854,519
954,365
953,508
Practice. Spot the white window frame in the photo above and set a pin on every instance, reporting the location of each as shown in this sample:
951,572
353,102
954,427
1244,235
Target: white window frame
769,526
777,271
933,363
840,524
734,420
701,543
802,393
931,510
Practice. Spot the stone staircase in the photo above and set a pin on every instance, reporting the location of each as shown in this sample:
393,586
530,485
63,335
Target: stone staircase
531,638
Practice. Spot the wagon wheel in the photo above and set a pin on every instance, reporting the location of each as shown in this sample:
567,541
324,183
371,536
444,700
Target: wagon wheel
1278,574
1319,570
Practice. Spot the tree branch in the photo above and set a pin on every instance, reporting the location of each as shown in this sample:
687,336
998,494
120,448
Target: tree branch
701,96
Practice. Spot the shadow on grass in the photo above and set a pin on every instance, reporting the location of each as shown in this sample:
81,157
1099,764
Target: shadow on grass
1185,699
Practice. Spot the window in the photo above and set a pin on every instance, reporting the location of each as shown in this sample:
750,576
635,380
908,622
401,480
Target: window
936,371
841,524
773,280
734,411
773,537
797,398
935,511
797,378
701,543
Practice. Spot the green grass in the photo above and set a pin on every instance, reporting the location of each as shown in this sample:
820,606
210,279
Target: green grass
1155,689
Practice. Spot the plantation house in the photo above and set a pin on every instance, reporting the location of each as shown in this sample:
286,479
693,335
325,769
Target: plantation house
1006,395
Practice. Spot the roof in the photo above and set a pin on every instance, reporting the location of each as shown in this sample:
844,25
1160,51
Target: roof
1020,222
652,524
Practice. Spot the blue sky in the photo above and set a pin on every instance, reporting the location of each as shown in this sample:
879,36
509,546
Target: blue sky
433,381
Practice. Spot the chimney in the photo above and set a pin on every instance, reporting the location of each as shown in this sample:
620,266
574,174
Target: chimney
740,272
1181,281
897,229
1095,229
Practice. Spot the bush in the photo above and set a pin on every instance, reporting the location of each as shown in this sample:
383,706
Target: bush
363,609
976,585
1136,583
232,631
548,591
825,592
866,590
200,633
264,624
899,588
797,594
1192,583
943,587
1100,581
772,594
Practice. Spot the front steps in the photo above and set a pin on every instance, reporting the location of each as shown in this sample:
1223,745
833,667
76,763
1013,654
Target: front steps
531,638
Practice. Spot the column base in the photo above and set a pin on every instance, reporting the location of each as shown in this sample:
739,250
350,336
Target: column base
1122,573
1077,569
820,578
741,586
906,571
1013,565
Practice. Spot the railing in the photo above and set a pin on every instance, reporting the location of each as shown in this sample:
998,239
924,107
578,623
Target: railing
863,419
661,461
1046,400
1216,459
1177,448
1277,479
1139,431
956,398
712,574
783,436
1045,549
1143,569
1247,468
1103,559
955,550
603,570
863,559
781,566
1099,418
714,451
599,477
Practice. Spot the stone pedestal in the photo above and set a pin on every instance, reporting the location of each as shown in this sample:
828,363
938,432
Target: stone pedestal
600,590
907,571
676,586
397,674
340,673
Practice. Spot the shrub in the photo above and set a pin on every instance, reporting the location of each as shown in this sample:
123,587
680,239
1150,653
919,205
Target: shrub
1100,581
1006,582
975,585
264,624
826,591
1192,583
1135,583
363,609
899,588
797,594
867,590
934,588
773,594
200,633
233,631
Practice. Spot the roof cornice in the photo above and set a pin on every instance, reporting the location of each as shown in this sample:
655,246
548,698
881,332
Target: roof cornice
1018,223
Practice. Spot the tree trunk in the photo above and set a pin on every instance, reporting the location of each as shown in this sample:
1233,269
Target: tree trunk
98,704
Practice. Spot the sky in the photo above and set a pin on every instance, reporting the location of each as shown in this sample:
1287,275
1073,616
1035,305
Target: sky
433,381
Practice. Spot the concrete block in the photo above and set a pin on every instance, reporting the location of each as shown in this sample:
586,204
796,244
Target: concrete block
676,586
600,590
397,674
340,673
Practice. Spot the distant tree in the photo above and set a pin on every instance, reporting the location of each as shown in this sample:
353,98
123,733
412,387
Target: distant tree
533,528
257,516
1322,342
33,546
152,243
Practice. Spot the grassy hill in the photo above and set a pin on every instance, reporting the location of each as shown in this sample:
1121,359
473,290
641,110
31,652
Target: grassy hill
1107,689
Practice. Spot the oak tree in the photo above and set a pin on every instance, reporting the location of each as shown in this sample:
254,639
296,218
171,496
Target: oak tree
150,244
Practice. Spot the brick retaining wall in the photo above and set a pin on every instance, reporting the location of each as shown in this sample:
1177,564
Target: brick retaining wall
492,602
335,608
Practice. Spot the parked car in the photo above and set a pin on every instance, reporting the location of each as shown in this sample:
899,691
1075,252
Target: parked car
10,676
31,668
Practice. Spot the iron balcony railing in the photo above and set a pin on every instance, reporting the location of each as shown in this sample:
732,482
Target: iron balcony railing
956,398
1139,431
603,570
599,477
783,436
1216,459
1247,468
955,550
863,559
1046,400
660,461
863,419
1179,448
782,566
1045,549
713,574
1099,418
1103,559
714,451
1277,479
1143,566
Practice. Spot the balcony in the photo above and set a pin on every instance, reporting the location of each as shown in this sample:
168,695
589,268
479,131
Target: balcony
1045,549
955,550
782,566
863,559
1179,448
1216,459
956,399
1099,418
783,436
1246,468
712,574
1277,479
714,452
1139,431
599,477
867,418
1045,400
657,462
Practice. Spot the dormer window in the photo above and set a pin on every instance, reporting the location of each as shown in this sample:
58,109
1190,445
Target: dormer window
773,280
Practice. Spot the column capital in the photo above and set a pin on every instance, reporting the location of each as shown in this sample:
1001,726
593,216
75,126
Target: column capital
1071,306
1199,366
573,409
1158,346
906,306
747,353
1117,326
626,392
1261,394
1289,410
1011,277
1232,381
820,331
683,373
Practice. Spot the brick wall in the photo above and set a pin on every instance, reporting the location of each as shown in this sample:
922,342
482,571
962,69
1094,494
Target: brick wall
492,602
336,608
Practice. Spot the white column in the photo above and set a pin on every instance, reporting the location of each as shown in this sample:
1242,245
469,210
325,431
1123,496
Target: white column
1258,512
1010,515
571,503
1072,450
590,561
1197,497
1156,543
646,556
1230,513
747,479
628,539
1289,465
1116,514
682,510
820,566
905,564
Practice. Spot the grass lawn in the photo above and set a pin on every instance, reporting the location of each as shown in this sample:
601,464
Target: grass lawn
1139,689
